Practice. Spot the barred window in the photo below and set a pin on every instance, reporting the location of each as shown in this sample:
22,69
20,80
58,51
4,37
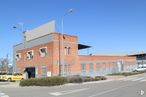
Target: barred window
91,68
30,54
97,66
67,50
43,51
18,56
83,67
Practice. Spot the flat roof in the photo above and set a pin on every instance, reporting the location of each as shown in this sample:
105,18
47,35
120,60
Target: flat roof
120,53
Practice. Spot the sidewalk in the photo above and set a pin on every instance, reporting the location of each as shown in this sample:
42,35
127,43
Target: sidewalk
109,78
117,77
9,84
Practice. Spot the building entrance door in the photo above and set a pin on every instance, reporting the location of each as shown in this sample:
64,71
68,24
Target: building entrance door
30,71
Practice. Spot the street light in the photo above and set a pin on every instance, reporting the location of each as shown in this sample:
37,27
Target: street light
20,26
62,27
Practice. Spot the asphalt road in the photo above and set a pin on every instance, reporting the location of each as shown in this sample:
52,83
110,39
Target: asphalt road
134,86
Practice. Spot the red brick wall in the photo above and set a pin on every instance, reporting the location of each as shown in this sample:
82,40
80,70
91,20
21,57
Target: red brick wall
82,57
71,59
51,61
37,61
91,59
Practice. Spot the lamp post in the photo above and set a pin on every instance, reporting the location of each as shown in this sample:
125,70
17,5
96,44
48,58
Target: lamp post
62,27
21,28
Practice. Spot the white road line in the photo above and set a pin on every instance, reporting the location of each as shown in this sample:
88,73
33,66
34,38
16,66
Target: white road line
1,94
4,96
67,92
56,94
114,89
138,79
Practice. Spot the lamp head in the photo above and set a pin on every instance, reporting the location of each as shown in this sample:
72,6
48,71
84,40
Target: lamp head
70,10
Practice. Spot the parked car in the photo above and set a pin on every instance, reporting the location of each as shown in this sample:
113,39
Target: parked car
139,69
11,77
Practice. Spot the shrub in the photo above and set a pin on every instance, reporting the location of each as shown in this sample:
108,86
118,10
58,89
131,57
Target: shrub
49,81
75,79
79,79
97,78
87,78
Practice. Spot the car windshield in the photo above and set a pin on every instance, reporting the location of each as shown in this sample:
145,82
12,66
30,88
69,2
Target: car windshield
17,74
9,74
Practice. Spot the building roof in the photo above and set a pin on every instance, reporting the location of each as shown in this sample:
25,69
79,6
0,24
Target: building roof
111,54
137,53
120,53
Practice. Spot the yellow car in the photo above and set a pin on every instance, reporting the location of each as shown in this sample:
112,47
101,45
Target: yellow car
12,77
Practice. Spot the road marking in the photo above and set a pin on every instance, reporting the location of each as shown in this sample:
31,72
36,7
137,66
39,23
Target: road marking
56,94
141,92
4,96
67,92
1,94
114,89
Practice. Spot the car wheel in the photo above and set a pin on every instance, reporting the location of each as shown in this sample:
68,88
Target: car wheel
9,80
135,71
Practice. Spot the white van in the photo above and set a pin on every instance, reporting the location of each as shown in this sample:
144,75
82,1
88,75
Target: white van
141,67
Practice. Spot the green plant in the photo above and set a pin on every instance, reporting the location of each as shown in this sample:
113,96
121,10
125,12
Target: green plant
87,78
97,78
75,79
49,81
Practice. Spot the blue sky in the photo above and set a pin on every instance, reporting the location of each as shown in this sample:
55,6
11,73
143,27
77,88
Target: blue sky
106,25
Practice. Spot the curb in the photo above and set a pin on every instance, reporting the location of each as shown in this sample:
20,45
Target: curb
92,82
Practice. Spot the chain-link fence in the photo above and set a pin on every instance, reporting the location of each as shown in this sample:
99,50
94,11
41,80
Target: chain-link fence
107,67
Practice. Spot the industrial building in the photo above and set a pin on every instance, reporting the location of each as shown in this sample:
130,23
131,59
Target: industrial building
45,52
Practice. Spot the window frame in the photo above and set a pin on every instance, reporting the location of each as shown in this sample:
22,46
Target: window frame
45,53
67,50
29,57
91,67
17,59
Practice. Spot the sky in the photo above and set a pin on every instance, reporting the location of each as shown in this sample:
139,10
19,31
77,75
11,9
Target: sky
106,25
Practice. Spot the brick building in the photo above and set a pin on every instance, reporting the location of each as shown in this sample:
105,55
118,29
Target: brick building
44,51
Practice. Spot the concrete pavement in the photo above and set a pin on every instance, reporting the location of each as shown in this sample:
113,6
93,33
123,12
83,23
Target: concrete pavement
133,86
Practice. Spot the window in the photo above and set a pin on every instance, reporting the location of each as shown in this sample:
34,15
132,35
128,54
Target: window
30,54
44,71
91,68
43,51
67,50
83,68
18,56
97,66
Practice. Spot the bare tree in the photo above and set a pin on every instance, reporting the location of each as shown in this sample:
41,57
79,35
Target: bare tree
4,62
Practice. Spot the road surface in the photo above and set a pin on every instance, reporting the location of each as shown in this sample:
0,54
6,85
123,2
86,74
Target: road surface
134,86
